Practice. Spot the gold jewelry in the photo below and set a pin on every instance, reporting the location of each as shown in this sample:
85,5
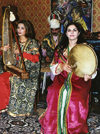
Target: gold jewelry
22,42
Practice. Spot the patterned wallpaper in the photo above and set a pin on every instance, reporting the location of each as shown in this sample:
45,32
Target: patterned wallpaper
37,12
96,15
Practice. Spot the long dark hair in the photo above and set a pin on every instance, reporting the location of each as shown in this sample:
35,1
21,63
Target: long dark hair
29,28
64,40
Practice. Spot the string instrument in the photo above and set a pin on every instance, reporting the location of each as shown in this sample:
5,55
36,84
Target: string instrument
83,60
9,58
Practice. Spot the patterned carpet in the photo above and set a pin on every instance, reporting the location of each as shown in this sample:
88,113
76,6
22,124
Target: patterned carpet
94,123
30,125
21,125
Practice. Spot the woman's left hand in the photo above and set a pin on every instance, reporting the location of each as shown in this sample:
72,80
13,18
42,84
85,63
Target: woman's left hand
87,77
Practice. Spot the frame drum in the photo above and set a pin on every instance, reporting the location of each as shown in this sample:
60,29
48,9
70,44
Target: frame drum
83,60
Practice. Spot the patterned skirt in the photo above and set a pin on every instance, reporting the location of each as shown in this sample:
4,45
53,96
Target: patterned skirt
22,96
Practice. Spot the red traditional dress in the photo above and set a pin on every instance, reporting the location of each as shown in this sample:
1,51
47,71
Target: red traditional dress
67,102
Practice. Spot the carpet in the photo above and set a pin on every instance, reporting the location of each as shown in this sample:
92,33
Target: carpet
30,125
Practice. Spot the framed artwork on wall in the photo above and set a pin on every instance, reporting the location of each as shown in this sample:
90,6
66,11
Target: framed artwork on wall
73,10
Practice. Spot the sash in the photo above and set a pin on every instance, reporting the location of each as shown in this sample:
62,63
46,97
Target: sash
63,103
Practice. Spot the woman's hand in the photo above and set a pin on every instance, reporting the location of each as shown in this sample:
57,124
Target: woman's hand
15,75
67,67
16,51
87,77
5,48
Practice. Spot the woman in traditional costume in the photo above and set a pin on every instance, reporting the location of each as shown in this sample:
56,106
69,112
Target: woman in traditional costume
68,96
21,92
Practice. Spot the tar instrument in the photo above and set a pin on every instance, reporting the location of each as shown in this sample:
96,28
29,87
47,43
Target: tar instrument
8,35
83,60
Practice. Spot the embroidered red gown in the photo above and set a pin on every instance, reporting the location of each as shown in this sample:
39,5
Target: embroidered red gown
76,105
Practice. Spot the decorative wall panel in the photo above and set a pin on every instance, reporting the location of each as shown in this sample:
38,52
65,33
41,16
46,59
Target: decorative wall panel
73,10
96,15
36,11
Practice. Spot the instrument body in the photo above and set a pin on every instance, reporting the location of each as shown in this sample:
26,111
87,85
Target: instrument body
14,70
9,58
83,60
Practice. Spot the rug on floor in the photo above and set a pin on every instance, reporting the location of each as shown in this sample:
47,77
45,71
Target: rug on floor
30,125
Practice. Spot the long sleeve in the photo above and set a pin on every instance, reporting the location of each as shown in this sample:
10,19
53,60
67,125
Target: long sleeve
56,68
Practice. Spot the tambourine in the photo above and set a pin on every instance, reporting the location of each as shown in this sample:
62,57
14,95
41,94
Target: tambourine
83,60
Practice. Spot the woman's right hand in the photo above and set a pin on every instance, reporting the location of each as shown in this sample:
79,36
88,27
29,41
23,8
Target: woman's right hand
87,77
5,48
67,67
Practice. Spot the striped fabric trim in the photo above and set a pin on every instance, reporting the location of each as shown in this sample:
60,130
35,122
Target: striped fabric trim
66,86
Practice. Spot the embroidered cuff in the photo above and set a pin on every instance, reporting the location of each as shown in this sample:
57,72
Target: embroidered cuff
53,69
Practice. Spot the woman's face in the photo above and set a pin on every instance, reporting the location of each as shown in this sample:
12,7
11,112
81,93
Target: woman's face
21,30
72,32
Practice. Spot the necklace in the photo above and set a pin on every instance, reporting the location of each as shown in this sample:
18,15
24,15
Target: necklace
22,42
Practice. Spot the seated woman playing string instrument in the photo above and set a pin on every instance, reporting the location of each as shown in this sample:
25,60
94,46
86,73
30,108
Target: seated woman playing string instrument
19,94
68,96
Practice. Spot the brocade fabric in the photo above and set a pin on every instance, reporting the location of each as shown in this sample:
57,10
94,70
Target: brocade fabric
23,92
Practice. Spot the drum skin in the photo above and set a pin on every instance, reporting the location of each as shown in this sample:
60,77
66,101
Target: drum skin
83,60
